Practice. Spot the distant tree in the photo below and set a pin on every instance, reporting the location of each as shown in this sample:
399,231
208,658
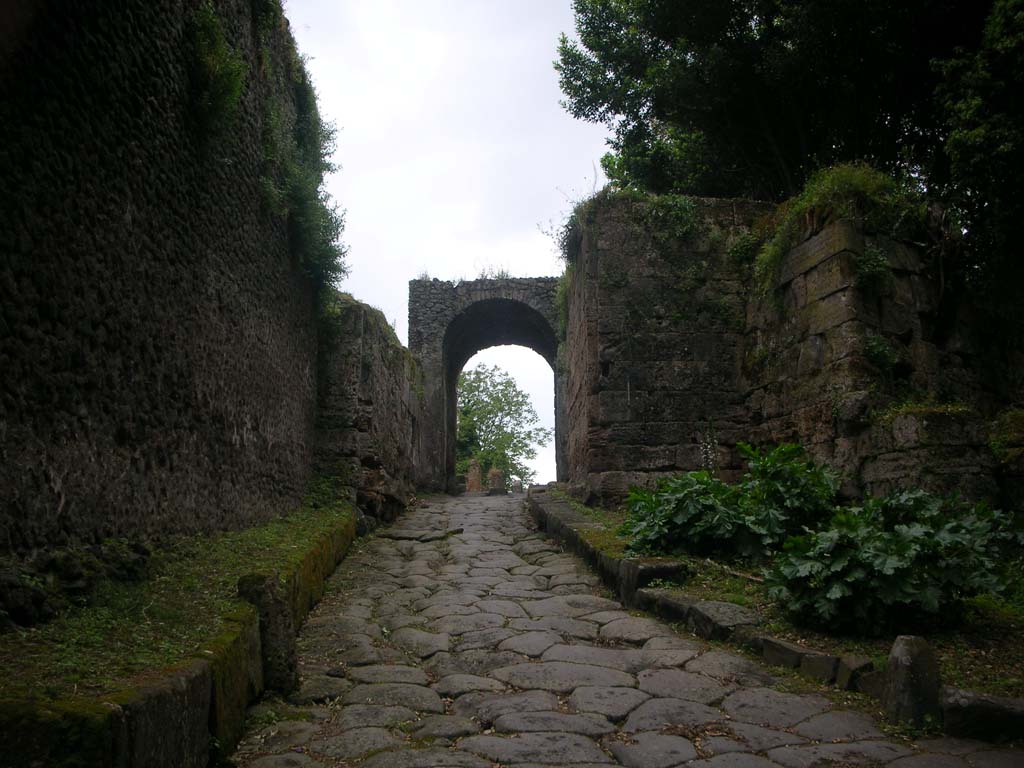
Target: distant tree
497,424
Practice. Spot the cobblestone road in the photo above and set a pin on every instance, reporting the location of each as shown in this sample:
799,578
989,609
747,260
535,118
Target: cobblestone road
462,638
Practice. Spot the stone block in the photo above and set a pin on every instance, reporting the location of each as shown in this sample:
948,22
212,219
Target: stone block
168,721
912,682
782,653
716,620
850,669
820,666
835,238
978,716
277,630
636,574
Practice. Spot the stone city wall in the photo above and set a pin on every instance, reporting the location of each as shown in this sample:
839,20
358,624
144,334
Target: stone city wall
157,337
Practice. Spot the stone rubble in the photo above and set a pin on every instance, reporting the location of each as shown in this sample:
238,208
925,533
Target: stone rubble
464,639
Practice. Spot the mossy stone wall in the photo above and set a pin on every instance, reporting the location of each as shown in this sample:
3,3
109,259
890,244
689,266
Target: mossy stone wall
157,337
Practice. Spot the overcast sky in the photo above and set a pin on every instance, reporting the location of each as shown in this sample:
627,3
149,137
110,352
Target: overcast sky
454,151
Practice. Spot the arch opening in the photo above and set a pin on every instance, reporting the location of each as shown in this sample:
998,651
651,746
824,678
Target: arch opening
482,325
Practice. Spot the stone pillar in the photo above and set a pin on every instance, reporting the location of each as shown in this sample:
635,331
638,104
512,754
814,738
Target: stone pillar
474,478
496,482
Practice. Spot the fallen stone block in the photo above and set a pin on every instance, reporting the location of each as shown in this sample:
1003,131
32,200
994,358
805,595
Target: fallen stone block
716,620
850,669
820,666
979,716
782,653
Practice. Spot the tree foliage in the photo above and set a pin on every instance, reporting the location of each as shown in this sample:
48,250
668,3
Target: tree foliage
751,97
497,424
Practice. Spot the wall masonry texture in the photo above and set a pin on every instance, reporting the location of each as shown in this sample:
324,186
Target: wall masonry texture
670,347
157,342
370,411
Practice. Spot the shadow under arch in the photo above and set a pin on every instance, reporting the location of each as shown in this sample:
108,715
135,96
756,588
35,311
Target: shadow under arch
449,323
489,323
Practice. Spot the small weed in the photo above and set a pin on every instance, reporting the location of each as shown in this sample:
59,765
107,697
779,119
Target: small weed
218,73
880,353
874,273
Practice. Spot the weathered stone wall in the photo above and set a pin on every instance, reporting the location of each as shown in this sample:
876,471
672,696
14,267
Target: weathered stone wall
157,340
867,374
671,348
653,346
448,324
369,419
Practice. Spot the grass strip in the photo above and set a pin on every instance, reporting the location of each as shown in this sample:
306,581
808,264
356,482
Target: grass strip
131,632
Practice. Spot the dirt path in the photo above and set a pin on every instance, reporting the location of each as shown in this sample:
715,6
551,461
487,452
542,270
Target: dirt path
462,638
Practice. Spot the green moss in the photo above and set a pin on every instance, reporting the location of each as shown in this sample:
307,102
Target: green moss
1006,436
744,249
848,191
921,406
880,353
188,601
873,271
218,73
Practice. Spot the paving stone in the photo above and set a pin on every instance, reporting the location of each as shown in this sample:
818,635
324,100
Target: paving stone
652,750
475,662
434,757
388,673
422,644
569,606
395,694
457,625
951,746
733,760
356,743
676,684
624,659
633,630
506,608
840,725
319,688
587,725
996,758
930,761
603,617
763,706
445,727
286,761
441,610
484,638
372,715
530,643
561,676
856,753
399,620
672,643
488,707
613,703
584,630
456,685
285,734
549,748
670,657
760,739
730,668
655,714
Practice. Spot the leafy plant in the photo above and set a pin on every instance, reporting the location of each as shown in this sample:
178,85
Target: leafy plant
907,555
880,353
693,512
696,512
873,270
855,191
783,491
218,73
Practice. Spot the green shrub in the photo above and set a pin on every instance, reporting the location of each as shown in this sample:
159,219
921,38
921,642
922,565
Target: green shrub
874,272
889,561
218,73
880,353
848,191
784,491
695,512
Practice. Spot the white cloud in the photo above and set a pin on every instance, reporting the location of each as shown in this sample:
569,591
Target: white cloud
452,145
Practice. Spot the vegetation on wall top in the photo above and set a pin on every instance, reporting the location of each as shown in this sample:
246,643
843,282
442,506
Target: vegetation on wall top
750,99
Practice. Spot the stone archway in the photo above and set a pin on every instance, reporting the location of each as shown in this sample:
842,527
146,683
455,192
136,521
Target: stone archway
451,322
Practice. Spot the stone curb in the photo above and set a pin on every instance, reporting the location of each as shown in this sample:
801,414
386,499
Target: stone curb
964,713
182,717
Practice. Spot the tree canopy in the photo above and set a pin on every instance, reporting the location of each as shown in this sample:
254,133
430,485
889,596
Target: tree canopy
497,424
750,97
